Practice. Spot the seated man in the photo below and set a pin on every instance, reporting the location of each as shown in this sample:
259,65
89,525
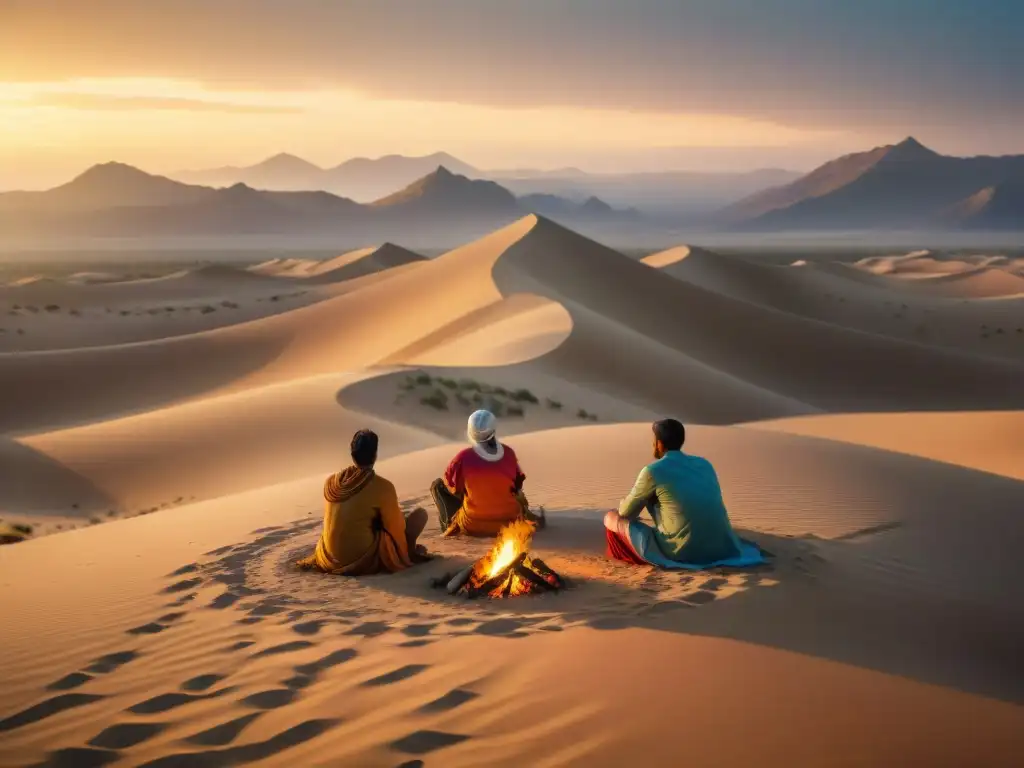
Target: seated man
682,494
364,529
482,489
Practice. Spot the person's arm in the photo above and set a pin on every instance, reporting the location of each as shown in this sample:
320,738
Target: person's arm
640,495
394,519
453,479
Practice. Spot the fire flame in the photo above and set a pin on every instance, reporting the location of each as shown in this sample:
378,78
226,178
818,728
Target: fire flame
513,540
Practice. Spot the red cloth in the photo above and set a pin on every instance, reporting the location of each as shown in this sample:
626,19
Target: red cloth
619,549
487,488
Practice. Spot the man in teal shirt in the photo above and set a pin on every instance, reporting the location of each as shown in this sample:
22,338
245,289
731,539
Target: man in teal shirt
682,494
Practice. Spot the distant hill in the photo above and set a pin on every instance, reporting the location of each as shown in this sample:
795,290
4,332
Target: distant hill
360,178
668,193
115,200
902,186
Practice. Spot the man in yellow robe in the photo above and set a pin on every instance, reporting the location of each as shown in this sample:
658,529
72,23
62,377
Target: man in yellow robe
365,530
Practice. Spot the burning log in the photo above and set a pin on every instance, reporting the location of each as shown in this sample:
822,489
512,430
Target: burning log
507,570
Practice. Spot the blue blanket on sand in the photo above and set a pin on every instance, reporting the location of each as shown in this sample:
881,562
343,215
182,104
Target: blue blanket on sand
641,537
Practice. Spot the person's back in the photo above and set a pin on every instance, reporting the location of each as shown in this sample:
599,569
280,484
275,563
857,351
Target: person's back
364,529
354,499
683,496
691,518
487,488
481,489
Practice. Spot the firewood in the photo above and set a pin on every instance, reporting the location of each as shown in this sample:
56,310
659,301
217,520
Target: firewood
529,575
488,585
459,579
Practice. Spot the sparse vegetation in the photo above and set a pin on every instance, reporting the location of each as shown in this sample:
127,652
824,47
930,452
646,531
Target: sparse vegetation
514,410
52,307
208,309
74,313
436,399
582,414
554,405
469,385
424,380
22,528
462,400
95,521
125,312
448,383
229,305
524,396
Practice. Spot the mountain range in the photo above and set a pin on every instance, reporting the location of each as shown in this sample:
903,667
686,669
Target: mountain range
900,186
669,193
117,200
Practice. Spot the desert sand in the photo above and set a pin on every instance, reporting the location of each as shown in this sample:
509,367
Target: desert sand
171,472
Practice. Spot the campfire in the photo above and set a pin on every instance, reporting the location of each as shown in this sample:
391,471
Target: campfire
507,570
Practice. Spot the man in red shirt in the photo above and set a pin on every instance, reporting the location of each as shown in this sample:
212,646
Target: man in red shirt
481,490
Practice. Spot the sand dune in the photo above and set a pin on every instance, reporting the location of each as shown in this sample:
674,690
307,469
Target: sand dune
356,263
374,672
886,629
929,311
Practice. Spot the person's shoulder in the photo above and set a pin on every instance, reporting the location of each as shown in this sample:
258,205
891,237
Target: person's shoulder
508,450
382,484
462,455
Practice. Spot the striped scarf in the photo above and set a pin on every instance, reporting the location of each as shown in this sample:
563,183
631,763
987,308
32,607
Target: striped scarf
345,484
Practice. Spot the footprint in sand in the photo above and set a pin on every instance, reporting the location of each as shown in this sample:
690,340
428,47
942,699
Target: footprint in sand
201,683
309,627
274,650
181,586
168,701
155,627
223,734
112,661
402,673
454,698
424,742
272,699
66,683
48,708
125,735
246,753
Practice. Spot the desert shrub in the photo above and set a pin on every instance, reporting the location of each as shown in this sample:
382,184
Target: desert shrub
125,312
229,305
448,383
553,404
171,309
52,307
156,311
111,513
436,399
524,396
497,407
469,385
461,399
478,398
274,298
500,391
74,312
514,410
408,385
582,414
22,528
208,309
94,521
424,379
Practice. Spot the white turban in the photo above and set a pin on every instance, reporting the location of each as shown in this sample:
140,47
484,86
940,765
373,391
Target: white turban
481,426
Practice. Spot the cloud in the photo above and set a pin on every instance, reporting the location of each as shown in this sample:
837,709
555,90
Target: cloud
880,63
108,102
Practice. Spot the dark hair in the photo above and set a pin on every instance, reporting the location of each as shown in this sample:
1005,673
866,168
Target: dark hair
364,448
671,433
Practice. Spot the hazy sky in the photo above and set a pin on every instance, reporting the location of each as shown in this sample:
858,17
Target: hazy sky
630,84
